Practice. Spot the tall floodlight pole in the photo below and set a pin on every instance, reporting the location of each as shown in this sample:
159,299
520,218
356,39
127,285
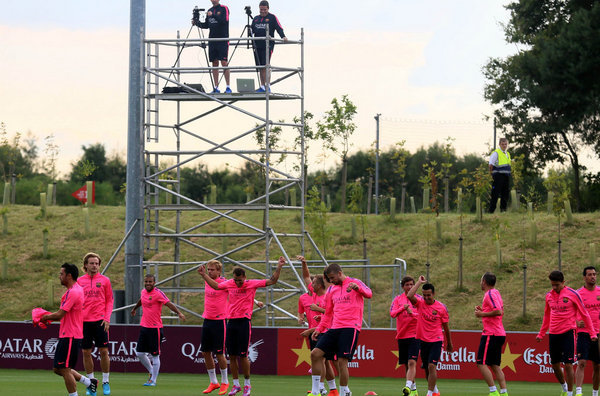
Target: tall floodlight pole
134,211
377,165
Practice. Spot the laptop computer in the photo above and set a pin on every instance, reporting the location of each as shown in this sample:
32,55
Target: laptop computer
245,85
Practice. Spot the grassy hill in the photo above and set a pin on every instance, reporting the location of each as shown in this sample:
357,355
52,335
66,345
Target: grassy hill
410,237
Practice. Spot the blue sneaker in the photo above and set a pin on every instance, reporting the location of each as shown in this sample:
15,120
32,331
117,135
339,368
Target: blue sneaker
150,383
216,90
227,90
106,388
260,90
93,386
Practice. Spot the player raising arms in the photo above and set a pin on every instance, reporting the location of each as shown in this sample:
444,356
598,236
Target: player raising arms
314,309
343,318
586,348
493,337
213,328
406,314
433,317
241,301
563,304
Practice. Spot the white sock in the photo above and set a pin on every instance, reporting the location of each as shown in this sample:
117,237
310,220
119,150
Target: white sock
143,357
409,384
73,394
503,390
492,388
578,390
247,382
435,389
564,387
85,381
89,375
212,375
594,392
429,393
224,379
569,393
262,86
344,389
321,385
316,379
331,384
155,367
236,382
105,378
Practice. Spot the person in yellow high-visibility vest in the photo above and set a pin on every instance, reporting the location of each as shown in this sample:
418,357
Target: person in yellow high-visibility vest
500,170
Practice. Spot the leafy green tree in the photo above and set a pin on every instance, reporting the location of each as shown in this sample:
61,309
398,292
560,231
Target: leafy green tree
91,165
12,160
336,128
548,93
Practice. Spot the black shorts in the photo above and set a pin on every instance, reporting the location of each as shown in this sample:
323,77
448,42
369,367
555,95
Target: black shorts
238,336
430,353
66,353
94,334
218,50
586,348
149,340
340,343
562,347
260,55
408,349
213,336
490,350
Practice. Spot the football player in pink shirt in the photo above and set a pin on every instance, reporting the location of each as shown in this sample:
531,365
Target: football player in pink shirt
151,332
563,304
213,328
97,308
586,348
406,314
341,323
314,309
493,337
433,318
239,315
70,332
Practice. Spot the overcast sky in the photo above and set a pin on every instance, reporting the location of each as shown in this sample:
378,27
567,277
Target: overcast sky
64,65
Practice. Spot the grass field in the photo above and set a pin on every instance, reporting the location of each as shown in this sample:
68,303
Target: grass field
44,382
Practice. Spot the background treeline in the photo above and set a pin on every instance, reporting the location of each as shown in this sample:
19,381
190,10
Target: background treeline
397,167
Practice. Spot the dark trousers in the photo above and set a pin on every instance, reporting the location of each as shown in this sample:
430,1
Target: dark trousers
500,188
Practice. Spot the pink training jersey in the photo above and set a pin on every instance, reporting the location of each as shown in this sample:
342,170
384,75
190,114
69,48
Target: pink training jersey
304,303
492,325
561,312
344,309
431,317
152,303
215,301
241,299
406,323
71,325
591,302
98,295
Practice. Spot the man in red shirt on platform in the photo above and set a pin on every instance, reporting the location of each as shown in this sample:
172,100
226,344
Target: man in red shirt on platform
433,317
586,348
563,304
97,308
239,315
342,321
151,335
493,337
70,333
213,328
406,315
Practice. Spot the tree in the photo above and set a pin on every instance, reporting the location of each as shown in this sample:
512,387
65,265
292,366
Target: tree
336,127
12,160
549,92
92,165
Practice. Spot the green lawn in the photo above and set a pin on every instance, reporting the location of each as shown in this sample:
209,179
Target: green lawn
44,382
